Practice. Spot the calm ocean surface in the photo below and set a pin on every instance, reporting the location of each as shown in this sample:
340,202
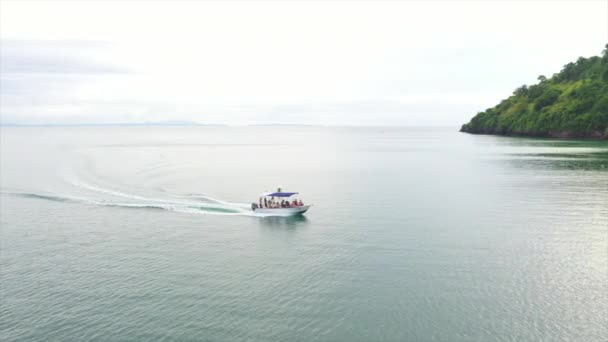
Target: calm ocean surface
142,234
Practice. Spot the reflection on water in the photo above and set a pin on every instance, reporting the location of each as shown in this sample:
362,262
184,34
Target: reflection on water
557,155
284,222
559,161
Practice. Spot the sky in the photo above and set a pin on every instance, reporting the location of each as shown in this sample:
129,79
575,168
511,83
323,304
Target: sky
404,63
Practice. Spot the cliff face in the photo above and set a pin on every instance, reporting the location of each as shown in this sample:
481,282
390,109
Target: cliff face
571,104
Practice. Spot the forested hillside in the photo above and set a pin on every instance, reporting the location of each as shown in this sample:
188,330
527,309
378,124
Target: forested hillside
571,104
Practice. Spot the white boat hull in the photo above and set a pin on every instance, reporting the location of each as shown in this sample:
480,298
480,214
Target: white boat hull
282,211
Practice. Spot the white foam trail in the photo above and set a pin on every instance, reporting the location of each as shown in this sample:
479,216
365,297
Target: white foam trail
219,208
180,207
111,192
169,207
209,198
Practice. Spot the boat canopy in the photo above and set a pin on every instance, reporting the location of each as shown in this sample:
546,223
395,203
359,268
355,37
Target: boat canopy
279,194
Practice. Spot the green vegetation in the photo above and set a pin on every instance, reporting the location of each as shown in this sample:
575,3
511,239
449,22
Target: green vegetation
571,104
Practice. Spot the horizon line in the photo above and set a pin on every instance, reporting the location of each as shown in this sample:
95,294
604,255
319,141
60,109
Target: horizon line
12,124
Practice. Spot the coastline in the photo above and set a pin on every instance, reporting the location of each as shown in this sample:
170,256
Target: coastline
560,135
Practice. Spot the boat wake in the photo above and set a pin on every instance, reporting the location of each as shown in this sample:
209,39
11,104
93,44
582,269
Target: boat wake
96,195
182,207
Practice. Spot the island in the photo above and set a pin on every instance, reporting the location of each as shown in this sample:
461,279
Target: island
571,104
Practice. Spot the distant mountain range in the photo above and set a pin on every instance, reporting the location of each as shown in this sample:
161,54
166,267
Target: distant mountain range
571,104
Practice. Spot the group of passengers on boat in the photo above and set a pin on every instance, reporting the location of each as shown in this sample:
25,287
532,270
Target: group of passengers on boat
266,203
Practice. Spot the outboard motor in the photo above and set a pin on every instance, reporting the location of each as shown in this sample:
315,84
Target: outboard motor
254,206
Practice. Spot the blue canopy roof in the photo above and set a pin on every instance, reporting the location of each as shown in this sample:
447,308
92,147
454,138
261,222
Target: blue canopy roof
279,194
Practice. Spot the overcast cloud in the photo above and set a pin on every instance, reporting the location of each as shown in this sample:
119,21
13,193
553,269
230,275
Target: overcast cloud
328,63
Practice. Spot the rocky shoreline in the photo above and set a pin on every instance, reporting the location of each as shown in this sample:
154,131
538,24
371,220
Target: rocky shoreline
593,135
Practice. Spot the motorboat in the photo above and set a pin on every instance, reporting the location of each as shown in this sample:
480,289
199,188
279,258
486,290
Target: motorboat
270,204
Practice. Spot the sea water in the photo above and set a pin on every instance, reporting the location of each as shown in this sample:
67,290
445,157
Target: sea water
127,233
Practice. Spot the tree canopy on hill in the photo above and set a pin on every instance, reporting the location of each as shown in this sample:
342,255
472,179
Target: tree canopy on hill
571,104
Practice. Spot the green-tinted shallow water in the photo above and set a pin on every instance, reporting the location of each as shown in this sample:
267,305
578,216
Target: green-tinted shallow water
140,233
